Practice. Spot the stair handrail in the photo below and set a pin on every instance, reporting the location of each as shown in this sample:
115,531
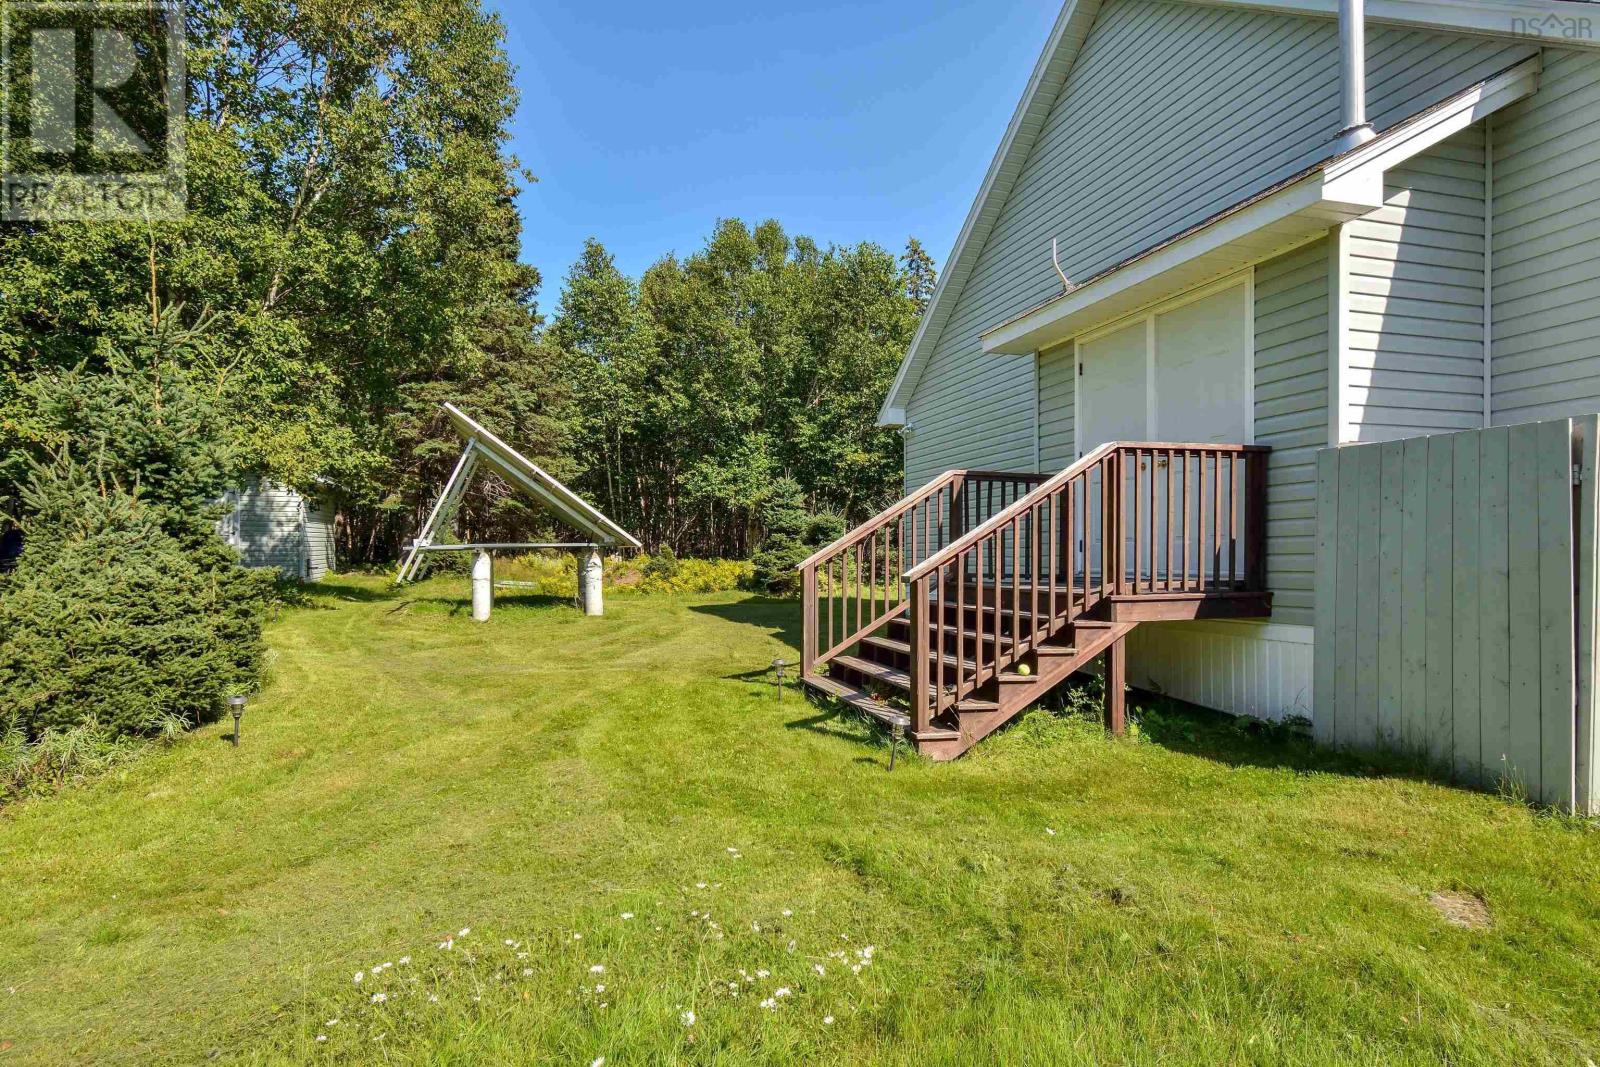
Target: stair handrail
810,653
1021,506
880,520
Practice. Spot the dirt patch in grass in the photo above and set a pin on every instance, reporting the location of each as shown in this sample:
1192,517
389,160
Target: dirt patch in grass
1466,910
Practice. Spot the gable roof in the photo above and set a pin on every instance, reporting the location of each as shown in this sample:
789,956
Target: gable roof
1502,18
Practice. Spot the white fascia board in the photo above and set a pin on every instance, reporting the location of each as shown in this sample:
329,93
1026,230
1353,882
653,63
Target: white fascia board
1343,188
1563,23
1258,231
1423,131
1060,50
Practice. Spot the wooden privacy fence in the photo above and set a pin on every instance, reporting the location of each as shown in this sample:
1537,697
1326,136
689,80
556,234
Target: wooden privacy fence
1456,604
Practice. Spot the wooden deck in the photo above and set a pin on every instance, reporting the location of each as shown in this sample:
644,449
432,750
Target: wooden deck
973,597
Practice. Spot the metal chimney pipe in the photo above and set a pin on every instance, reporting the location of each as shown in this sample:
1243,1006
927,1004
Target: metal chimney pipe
1353,61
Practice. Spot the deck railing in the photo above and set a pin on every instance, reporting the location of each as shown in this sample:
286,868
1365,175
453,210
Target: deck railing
856,584
1138,519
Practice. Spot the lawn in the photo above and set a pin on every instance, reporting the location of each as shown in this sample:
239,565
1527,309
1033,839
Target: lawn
552,839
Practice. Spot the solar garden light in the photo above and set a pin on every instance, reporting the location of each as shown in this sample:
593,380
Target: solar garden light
236,705
778,667
897,732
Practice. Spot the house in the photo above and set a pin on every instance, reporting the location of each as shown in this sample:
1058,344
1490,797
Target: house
272,525
1274,227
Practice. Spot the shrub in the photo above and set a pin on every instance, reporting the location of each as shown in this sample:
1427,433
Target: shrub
108,619
792,534
125,610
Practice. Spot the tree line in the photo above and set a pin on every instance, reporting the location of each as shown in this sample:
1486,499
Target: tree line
349,259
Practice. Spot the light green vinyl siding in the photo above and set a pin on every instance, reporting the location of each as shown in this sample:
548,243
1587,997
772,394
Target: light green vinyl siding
1546,273
1415,363
1144,141
1057,388
1291,415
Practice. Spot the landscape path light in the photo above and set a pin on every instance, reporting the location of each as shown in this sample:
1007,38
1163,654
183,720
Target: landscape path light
236,706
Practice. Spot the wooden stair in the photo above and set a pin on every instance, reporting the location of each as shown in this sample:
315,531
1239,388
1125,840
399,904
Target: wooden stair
973,597
876,680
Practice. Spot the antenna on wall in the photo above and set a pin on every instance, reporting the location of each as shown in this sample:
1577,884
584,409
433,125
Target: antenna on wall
1066,283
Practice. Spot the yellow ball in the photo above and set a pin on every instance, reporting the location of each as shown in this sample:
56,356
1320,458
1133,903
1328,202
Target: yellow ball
1024,670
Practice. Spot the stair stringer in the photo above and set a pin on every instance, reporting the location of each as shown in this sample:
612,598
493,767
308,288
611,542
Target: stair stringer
1017,692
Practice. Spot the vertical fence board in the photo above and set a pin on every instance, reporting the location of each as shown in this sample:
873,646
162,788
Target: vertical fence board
1322,676
1523,766
1413,599
1440,594
1390,546
1369,473
1346,620
1555,612
1466,748
1494,602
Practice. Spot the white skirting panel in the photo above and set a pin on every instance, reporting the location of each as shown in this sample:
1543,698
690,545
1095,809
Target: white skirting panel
1243,668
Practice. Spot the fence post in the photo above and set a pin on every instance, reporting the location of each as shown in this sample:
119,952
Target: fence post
1586,538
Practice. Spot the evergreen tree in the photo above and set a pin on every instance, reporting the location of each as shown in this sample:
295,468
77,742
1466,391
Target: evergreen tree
921,278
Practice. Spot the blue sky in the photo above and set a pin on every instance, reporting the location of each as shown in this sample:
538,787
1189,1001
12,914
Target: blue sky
868,120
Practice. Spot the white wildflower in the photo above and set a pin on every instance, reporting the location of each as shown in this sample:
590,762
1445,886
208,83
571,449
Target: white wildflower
688,1018
599,987
433,998
787,913
855,968
1049,831
577,937
465,930
827,1020
627,915
404,960
598,1061
781,991
331,1022
527,972
763,973
756,927
769,1003
322,1037
733,850
598,968
821,970
699,885
379,998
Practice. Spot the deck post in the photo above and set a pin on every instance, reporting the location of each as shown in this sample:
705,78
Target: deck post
921,712
808,620
591,574
1115,673
482,585
1256,520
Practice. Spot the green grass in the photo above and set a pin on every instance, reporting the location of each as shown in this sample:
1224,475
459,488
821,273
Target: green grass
1207,896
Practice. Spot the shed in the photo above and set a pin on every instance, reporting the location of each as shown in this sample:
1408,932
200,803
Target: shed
273,525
